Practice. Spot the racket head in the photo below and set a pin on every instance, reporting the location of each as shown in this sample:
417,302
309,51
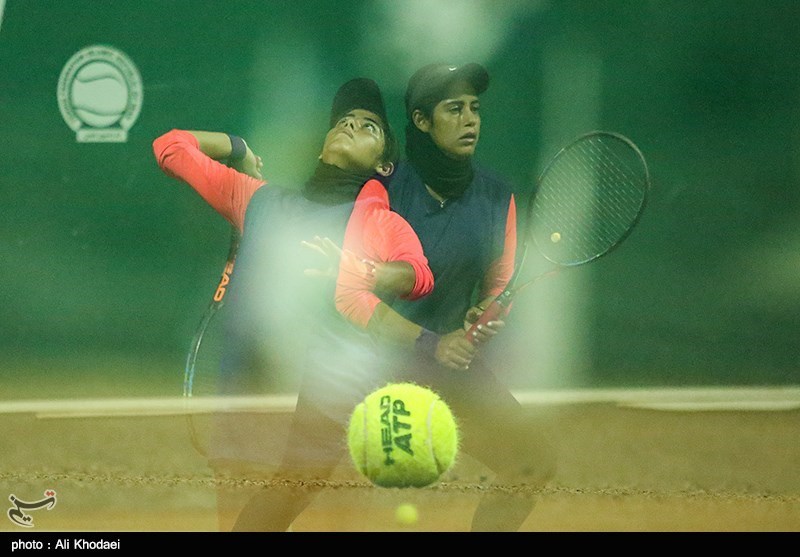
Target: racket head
589,198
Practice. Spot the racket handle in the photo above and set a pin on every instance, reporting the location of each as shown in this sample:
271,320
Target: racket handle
498,307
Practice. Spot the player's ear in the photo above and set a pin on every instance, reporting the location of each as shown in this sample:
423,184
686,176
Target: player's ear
421,121
385,169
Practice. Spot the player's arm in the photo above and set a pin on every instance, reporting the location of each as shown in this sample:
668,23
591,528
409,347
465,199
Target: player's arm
387,327
381,254
384,278
388,241
496,279
502,269
397,277
401,268
195,159
233,149
356,301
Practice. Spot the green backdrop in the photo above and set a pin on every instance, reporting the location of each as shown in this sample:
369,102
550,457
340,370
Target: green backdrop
107,259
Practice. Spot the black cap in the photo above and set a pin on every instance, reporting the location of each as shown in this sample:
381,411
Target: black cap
429,84
365,94
362,93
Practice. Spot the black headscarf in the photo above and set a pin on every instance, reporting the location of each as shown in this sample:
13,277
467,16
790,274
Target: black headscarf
330,185
445,175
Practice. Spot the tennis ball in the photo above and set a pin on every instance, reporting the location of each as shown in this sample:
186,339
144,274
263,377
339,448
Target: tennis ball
406,514
402,435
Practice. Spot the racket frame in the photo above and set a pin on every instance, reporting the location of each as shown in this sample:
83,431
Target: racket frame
501,304
190,368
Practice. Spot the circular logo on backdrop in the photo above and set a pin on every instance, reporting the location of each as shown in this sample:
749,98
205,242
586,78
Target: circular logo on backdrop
100,94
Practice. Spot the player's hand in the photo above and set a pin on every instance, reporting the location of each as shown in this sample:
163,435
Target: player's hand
361,272
251,164
331,257
455,351
486,332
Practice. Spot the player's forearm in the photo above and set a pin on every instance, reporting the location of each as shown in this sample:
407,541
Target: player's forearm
395,277
179,155
389,327
216,145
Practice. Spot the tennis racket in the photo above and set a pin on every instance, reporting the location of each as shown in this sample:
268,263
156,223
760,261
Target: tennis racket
588,200
205,356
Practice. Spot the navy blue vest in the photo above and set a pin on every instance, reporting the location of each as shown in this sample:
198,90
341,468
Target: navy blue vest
460,238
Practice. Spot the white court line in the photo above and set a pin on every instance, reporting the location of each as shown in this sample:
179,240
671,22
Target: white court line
742,405
677,399
166,406
2,7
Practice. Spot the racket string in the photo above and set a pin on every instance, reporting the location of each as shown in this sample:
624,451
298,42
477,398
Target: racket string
587,200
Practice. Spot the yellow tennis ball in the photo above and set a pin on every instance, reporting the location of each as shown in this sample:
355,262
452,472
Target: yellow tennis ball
406,514
402,435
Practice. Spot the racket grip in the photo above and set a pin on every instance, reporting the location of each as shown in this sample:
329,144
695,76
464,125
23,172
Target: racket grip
498,307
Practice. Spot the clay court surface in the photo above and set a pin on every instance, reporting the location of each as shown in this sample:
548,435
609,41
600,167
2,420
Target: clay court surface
660,460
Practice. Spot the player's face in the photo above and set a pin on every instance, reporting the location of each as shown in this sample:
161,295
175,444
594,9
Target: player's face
355,142
456,124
